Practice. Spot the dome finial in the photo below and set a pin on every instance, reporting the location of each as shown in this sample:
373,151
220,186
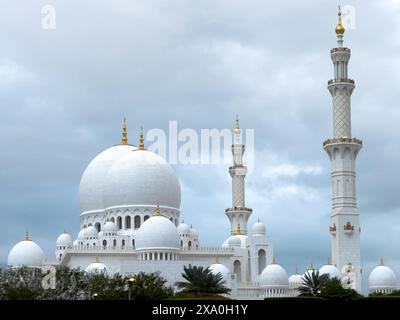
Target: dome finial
339,28
97,259
273,260
237,127
216,259
329,262
312,266
26,237
237,231
141,140
157,212
124,133
382,264
296,271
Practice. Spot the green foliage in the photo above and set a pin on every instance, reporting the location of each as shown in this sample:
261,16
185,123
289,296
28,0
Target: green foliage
73,284
312,284
201,280
150,286
196,296
333,289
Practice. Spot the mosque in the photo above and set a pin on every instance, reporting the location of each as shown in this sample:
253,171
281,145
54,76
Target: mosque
130,216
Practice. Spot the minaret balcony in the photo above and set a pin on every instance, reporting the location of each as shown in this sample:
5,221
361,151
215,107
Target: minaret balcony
340,49
342,139
348,228
241,209
340,80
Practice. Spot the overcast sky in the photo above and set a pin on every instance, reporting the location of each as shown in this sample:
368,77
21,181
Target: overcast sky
64,93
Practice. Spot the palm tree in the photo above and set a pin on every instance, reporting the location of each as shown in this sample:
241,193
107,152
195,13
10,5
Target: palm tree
313,282
201,280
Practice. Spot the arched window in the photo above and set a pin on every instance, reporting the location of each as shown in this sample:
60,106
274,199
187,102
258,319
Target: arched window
262,260
127,222
123,243
133,242
181,243
112,219
97,226
114,242
146,217
104,243
137,222
119,223
237,269
190,244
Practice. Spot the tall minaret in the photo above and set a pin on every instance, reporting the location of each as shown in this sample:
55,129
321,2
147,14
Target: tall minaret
342,150
238,215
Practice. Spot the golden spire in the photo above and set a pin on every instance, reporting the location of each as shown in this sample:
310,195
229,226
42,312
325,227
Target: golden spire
273,260
26,237
382,264
312,266
157,212
97,259
339,28
237,231
237,127
296,271
141,140
328,262
124,133
216,259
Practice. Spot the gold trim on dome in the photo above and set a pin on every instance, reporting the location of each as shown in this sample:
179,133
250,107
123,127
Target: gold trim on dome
157,213
141,140
124,133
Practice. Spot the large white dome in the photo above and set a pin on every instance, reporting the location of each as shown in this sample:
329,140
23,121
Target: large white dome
274,277
382,278
26,253
157,232
142,177
219,268
93,179
331,270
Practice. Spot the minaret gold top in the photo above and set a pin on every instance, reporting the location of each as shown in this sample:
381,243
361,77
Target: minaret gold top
124,134
339,28
141,140
237,127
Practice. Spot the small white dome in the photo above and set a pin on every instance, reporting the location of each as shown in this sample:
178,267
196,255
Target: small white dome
157,232
258,229
274,277
331,270
242,237
26,253
183,228
81,234
193,233
234,241
110,227
91,232
64,240
295,281
96,267
142,177
220,268
93,180
382,278
75,243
